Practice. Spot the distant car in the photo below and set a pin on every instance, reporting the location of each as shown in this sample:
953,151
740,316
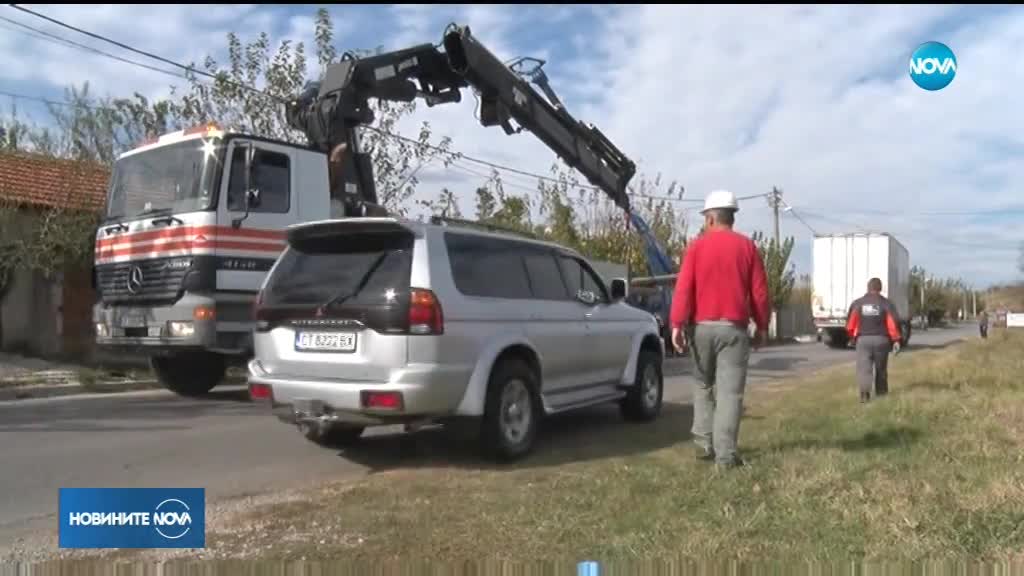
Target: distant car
376,321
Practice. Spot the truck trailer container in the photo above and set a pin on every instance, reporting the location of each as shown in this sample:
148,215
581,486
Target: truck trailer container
843,264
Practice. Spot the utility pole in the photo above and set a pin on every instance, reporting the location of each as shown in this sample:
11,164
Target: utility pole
974,297
924,311
774,200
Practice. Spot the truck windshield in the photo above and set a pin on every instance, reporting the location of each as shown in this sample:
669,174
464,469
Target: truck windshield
174,178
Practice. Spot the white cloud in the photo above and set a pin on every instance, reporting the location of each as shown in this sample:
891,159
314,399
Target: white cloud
182,33
697,80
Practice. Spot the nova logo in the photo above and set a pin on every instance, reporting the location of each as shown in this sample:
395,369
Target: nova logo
132,518
932,66
172,514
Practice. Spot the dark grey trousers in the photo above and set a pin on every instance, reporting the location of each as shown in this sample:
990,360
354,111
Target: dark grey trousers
873,364
721,353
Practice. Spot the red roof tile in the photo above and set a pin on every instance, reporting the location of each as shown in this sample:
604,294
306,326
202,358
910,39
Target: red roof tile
38,180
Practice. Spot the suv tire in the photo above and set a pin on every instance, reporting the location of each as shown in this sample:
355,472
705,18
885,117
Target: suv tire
512,411
643,402
190,374
331,435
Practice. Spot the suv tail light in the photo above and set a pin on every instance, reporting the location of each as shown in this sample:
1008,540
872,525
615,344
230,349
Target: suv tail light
382,400
257,311
260,392
425,315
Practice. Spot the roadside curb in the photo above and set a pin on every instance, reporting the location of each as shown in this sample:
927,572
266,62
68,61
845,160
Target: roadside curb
69,389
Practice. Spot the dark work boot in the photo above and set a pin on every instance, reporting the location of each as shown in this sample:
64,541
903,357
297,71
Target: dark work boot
736,462
705,454
865,397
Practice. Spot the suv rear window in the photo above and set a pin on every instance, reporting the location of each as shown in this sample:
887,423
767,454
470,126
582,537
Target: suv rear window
499,268
364,269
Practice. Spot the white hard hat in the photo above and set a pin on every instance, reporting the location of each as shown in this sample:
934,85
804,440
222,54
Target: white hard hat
720,199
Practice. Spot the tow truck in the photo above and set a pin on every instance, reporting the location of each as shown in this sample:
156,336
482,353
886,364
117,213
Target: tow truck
196,218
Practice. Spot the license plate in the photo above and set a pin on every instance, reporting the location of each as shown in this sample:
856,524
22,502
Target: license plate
325,341
133,322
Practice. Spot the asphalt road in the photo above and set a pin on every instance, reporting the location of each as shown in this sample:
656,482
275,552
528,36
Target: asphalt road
231,447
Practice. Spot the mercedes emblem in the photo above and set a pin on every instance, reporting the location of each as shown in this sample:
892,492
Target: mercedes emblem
135,279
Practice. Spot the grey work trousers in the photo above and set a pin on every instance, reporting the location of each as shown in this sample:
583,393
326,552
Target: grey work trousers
873,365
721,353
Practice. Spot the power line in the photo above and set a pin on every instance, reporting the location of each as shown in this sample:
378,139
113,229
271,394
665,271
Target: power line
124,46
802,221
902,214
835,220
457,156
534,175
480,161
144,53
943,240
54,38
17,96
496,165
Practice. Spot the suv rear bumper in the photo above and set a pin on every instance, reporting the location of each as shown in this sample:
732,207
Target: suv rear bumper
426,392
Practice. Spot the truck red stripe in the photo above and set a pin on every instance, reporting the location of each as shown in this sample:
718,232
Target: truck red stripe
186,231
158,250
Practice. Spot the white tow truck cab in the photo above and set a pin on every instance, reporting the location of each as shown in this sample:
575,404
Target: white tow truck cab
193,222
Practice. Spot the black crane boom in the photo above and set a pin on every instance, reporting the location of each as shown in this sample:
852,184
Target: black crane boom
330,111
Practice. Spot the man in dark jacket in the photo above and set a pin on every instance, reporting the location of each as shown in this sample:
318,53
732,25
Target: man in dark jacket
874,325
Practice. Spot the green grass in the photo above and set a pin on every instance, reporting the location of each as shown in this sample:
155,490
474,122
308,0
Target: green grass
935,471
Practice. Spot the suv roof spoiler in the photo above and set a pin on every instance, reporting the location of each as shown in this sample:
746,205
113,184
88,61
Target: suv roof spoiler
446,221
365,225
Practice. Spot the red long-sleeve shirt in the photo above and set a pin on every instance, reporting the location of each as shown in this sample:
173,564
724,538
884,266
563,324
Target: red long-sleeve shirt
722,278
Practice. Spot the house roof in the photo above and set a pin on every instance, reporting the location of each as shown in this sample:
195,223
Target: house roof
44,181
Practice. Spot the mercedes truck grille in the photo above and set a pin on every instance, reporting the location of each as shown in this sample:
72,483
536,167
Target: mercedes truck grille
156,280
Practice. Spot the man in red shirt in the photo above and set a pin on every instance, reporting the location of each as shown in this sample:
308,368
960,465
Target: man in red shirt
722,286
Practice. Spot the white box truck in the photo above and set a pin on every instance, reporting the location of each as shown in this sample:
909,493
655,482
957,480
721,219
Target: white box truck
843,264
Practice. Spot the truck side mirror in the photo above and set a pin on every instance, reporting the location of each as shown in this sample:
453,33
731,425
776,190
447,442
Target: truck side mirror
248,179
618,289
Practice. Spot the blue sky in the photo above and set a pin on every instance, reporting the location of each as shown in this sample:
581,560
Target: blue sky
815,100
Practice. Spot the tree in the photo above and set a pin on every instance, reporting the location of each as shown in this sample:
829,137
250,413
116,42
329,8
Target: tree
496,207
580,217
802,293
781,276
446,205
943,298
99,129
584,218
17,135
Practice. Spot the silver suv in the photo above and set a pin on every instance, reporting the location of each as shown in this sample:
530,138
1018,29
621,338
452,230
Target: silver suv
378,321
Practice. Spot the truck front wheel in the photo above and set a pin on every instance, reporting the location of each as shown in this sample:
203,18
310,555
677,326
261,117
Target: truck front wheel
189,374
835,338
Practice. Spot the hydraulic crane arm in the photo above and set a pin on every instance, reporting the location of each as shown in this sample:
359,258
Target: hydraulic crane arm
658,262
330,111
